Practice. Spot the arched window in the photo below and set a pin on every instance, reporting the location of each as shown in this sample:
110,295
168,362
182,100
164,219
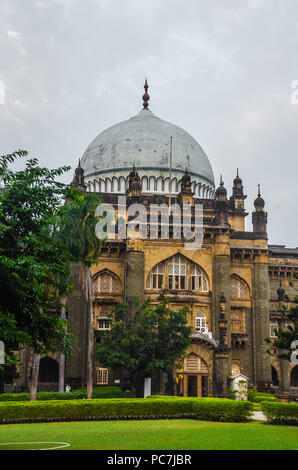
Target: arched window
155,279
182,274
198,279
200,322
239,289
177,273
194,363
106,283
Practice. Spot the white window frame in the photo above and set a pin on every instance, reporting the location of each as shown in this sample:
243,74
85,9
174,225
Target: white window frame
200,322
175,279
156,273
106,321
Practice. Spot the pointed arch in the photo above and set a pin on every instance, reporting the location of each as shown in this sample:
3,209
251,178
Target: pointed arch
177,273
239,288
106,282
194,364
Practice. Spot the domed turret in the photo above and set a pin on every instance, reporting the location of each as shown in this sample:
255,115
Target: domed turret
259,202
221,192
259,217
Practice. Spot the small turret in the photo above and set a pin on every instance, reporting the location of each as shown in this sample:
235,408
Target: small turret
186,194
238,196
134,183
259,217
78,179
221,192
221,204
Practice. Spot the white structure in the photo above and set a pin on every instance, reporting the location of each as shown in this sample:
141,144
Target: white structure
239,384
147,387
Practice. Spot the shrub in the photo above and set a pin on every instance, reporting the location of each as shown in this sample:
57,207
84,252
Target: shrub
280,413
222,409
99,392
258,397
78,410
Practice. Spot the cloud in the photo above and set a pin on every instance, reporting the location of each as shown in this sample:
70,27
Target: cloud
221,71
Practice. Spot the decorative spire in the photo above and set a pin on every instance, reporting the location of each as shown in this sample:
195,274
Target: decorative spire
78,179
221,192
259,201
186,184
238,187
146,97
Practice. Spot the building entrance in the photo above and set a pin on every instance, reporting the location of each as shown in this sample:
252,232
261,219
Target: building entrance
192,389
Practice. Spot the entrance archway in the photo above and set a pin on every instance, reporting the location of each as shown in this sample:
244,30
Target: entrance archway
195,377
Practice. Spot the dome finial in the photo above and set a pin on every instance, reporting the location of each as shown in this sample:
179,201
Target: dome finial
259,189
146,97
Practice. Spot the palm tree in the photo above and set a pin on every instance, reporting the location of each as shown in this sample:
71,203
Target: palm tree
77,223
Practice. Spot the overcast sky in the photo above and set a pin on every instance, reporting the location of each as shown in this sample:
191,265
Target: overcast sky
220,69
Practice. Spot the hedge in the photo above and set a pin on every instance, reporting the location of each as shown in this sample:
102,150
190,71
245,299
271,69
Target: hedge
258,397
209,409
104,392
280,413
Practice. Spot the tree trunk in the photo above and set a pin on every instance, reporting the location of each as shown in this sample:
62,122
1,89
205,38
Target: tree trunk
34,376
90,338
61,354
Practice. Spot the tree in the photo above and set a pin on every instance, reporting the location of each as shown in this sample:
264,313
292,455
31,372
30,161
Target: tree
76,229
285,337
33,265
144,338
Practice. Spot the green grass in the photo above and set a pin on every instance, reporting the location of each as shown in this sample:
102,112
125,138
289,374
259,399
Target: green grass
173,434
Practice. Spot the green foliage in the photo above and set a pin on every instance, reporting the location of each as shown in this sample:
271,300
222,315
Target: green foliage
98,392
285,337
281,413
258,397
75,226
144,338
210,409
34,267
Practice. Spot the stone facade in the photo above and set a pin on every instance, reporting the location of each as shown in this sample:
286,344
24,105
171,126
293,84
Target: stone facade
234,285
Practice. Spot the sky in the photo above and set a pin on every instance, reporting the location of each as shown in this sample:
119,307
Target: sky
222,70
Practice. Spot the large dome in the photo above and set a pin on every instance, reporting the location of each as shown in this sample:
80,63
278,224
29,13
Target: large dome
144,142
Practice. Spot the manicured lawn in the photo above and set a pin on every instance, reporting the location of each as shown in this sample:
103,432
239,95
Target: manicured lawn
155,435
